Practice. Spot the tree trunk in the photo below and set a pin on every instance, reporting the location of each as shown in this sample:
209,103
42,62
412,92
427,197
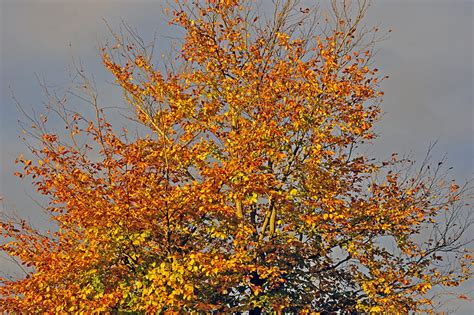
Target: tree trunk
257,281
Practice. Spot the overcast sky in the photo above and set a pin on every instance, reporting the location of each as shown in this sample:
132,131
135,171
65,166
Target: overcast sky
428,56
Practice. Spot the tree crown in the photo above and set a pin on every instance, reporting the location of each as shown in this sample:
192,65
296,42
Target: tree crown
248,191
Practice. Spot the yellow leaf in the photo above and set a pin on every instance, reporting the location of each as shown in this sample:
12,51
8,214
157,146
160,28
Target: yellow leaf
376,309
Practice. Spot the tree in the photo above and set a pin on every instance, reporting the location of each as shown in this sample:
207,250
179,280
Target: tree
247,189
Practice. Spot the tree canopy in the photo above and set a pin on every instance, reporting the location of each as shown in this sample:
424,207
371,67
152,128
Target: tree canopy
247,191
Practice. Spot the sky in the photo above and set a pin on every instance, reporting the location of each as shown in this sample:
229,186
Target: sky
428,58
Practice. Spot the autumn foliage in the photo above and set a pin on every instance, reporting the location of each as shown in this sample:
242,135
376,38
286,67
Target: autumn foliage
246,189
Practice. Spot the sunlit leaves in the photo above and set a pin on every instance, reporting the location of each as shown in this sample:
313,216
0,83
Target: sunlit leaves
247,189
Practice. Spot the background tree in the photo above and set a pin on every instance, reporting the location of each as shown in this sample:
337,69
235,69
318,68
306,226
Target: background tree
247,191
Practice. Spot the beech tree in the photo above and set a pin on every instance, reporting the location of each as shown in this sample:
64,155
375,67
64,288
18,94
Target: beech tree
247,188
